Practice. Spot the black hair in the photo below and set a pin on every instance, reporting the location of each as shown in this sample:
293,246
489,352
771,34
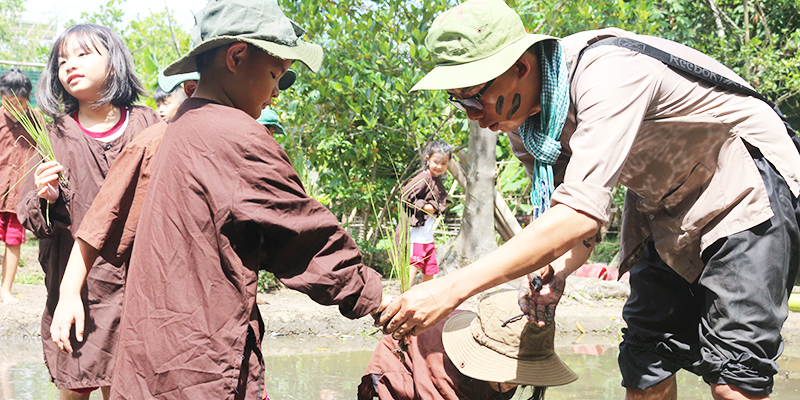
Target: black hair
159,95
536,394
438,146
204,60
14,83
121,86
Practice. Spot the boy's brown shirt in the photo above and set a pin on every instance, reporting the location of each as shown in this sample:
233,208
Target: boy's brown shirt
223,203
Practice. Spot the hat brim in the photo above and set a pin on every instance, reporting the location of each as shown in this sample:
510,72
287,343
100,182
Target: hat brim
482,363
457,76
308,53
168,83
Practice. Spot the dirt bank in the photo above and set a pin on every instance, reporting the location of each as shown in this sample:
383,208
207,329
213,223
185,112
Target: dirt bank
589,306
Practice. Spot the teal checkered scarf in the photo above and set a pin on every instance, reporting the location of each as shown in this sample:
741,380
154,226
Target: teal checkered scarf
541,132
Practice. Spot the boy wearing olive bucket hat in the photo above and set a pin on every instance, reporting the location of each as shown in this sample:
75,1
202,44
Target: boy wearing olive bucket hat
480,356
712,177
223,203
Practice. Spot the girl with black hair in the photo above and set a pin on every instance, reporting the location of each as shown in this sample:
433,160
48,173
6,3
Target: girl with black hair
88,88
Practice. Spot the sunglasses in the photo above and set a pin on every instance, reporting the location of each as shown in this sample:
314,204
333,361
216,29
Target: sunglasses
471,102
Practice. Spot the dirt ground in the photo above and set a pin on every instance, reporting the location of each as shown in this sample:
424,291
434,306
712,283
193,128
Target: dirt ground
589,307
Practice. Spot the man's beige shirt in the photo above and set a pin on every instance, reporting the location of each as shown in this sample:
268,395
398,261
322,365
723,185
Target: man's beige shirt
677,143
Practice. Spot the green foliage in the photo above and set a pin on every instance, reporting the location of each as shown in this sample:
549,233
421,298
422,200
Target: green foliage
267,282
29,277
354,122
154,40
19,42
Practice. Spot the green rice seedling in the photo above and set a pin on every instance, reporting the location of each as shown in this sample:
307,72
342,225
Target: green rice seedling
400,251
36,128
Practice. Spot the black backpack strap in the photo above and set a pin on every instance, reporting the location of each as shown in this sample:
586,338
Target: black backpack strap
692,69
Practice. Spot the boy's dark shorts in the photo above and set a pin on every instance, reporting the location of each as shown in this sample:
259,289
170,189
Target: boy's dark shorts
726,325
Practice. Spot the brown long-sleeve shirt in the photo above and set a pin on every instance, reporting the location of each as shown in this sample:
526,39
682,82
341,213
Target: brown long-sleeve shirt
424,372
86,163
110,224
16,149
421,190
223,203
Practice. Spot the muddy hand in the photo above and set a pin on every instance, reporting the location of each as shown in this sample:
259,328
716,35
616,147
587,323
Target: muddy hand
385,301
539,294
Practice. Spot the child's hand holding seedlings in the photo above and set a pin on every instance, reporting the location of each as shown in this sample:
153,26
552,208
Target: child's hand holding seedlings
46,179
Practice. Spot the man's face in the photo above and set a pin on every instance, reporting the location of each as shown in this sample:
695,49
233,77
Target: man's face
510,98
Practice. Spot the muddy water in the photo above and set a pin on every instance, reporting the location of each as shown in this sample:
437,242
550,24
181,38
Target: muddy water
330,369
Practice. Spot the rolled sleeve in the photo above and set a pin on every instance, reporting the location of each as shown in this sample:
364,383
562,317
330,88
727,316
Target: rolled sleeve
591,199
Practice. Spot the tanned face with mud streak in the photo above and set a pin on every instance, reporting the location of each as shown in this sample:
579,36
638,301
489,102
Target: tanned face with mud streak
521,83
498,108
514,105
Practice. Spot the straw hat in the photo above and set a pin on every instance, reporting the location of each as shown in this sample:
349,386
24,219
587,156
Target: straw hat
258,22
474,43
519,352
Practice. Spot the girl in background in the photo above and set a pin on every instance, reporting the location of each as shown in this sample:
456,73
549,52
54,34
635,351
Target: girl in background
424,198
88,88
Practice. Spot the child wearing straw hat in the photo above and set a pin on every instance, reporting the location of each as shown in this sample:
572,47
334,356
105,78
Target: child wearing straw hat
481,356
713,183
223,203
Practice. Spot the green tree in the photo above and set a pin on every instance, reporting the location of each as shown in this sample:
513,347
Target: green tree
154,40
353,124
20,42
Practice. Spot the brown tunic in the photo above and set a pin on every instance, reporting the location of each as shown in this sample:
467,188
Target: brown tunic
110,224
223,202
425,372
424,189
86,161
16,148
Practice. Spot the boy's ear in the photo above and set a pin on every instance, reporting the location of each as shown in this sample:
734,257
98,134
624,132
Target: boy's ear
234,55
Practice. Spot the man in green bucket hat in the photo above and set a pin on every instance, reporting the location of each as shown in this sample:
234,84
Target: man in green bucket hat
712,177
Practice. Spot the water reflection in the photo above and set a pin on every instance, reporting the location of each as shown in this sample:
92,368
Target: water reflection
330,369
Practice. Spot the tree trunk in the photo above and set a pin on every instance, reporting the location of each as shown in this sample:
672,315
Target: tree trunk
476,237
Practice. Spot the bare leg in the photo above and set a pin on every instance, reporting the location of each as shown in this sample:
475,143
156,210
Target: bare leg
5,380
426,278
412,272
667,390
66,394
728,392
10,262
106,392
